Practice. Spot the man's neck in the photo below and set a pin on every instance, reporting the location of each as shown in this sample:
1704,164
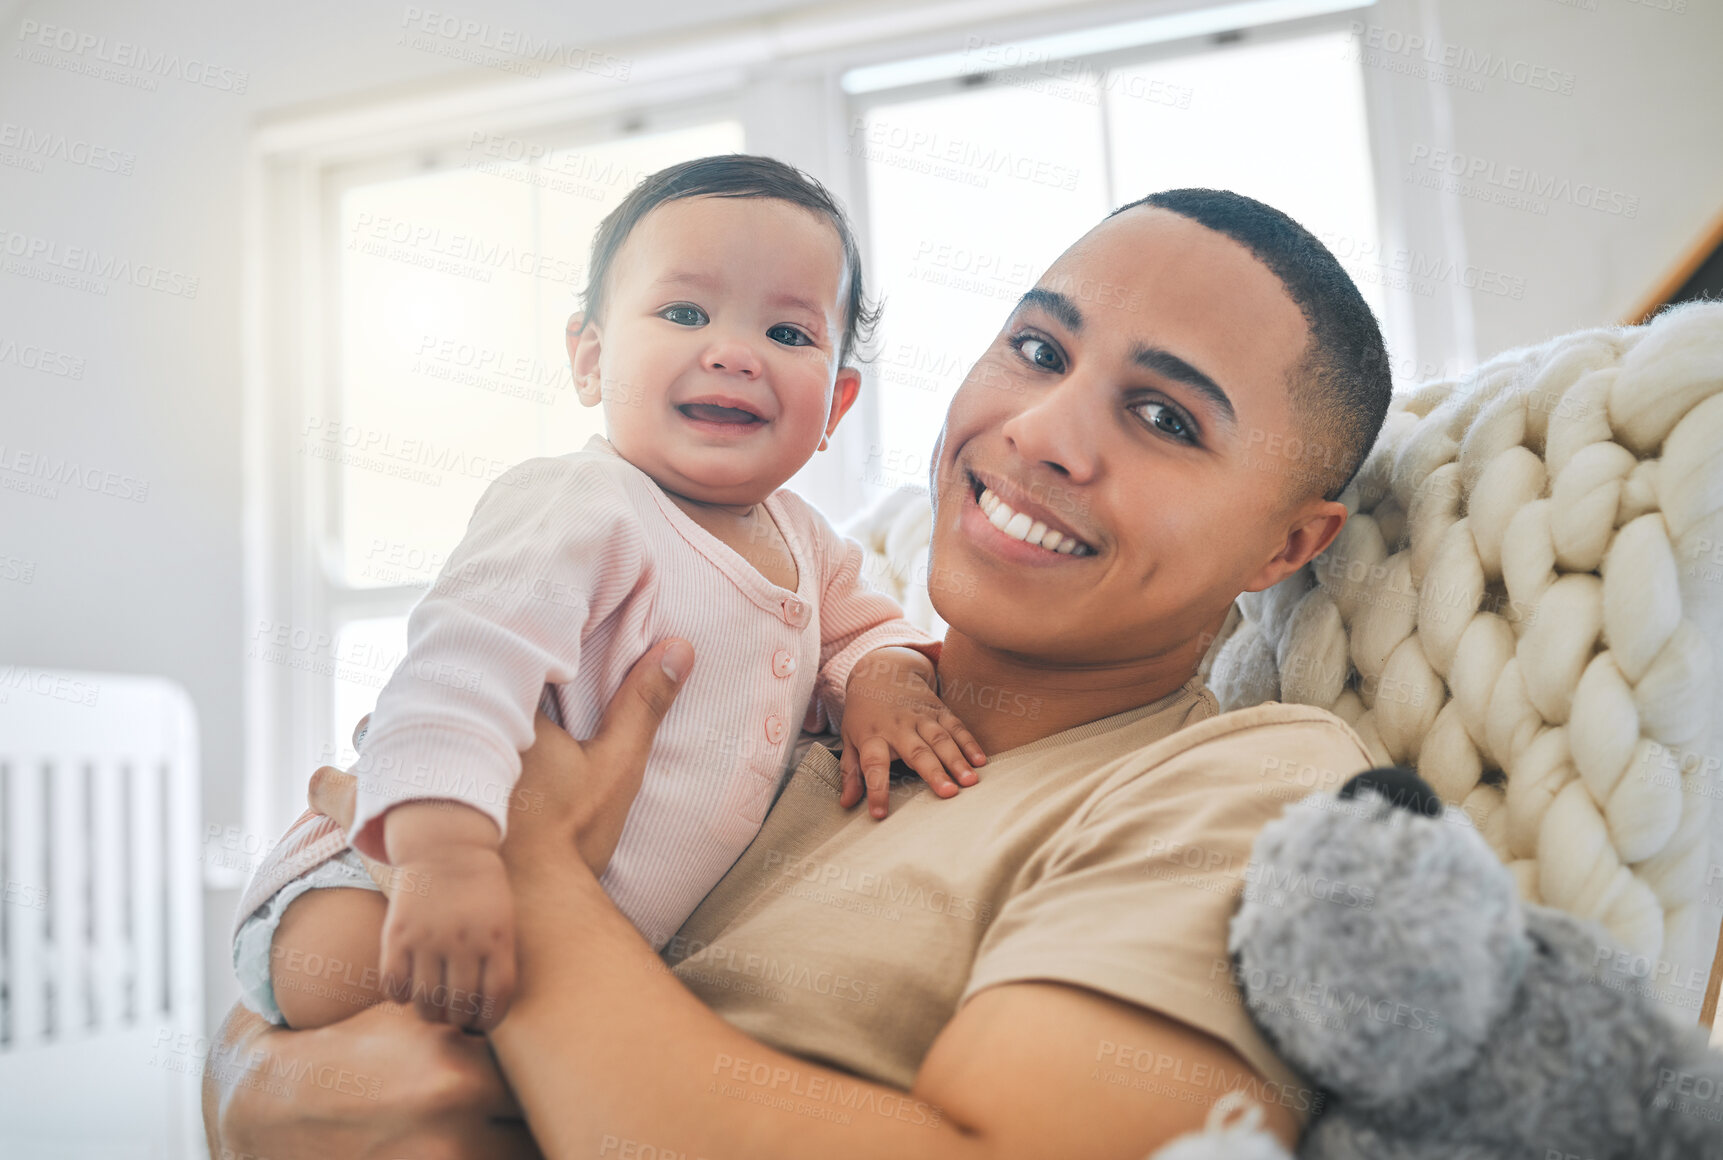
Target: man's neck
1008,700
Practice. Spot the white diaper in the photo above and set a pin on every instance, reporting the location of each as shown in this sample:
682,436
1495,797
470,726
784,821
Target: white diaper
257,933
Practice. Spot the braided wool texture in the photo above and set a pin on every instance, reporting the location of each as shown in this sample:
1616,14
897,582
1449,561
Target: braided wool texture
1526,605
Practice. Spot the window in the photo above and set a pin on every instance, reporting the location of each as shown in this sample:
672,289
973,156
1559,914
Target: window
415,261
976,184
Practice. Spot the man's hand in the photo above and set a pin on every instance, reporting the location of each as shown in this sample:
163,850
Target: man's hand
580,792
890,707
379,1085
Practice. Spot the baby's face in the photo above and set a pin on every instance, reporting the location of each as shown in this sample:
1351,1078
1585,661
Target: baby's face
717,356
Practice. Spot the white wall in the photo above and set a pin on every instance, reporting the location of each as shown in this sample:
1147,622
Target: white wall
155,586
1643,119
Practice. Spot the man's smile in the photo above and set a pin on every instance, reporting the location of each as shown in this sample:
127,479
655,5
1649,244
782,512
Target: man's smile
1020,519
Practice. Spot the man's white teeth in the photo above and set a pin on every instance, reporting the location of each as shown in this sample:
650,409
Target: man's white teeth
1020,526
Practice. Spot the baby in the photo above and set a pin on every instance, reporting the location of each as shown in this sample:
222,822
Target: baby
724,299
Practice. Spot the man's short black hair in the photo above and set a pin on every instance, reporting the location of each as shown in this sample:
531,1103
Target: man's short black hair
1341,387
731,175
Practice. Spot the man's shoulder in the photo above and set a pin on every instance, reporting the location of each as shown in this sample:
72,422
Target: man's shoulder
1300,745
1270,717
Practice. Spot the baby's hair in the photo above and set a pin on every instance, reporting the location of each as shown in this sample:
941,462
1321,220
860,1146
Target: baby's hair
732,175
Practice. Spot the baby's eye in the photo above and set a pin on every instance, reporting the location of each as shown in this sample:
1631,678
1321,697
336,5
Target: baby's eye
683,314
1166,419
1038,352
788,336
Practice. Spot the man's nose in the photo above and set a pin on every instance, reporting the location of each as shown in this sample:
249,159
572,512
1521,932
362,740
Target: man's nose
1059,429
732,356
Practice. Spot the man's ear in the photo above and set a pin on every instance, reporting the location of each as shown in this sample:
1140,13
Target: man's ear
583,350
844,393
1312,531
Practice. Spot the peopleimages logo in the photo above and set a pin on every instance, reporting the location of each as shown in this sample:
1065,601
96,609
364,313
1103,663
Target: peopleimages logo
37,145
1378,46
50,469
88,47
451,35
85,268
1438,164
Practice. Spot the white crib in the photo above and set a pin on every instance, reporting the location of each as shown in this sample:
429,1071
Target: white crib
101,977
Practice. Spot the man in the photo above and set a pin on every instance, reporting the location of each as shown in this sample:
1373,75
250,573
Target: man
1182,396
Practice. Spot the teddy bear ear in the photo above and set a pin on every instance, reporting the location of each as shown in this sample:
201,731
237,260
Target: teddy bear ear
1398,786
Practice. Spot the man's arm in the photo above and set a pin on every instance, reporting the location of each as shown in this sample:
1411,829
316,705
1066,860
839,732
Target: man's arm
610,1054
606,1047
382,1084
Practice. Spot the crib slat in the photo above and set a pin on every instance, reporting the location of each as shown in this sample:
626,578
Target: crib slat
149,921
27,921
182,884
7,926
68,949
110,952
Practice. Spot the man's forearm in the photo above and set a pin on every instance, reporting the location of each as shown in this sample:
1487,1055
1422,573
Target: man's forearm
608,1053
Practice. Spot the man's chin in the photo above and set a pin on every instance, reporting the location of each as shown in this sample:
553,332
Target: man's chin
983,618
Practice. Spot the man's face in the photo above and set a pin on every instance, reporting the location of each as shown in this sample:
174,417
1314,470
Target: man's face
1131,402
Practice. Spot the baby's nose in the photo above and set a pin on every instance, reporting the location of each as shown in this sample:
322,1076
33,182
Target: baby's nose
733,357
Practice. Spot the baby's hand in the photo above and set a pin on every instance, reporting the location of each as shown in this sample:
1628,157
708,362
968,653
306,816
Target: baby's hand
890,708
448,938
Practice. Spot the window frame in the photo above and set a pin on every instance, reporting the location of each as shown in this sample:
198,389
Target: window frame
782,79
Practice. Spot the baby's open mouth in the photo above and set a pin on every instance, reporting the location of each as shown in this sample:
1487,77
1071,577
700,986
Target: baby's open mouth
715,413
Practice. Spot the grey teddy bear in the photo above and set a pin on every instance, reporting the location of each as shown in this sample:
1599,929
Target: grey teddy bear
1383,951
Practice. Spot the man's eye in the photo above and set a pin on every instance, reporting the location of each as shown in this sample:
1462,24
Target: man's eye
1039,352
788,336
1166,419
684,315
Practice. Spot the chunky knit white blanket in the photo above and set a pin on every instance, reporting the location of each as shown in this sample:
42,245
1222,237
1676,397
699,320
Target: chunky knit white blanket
1526,605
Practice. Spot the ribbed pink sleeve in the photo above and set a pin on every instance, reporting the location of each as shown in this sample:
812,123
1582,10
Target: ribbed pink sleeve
855,619
552,545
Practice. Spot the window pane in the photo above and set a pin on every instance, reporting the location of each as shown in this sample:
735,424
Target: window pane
454,287
1282,122
366,653
970,196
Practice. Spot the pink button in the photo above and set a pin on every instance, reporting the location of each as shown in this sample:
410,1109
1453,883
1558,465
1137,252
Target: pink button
775,729
783,664
795,612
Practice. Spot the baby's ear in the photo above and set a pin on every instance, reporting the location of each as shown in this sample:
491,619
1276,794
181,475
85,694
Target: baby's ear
583,343
844,392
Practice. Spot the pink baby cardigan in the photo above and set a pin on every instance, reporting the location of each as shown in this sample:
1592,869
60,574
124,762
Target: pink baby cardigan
570,569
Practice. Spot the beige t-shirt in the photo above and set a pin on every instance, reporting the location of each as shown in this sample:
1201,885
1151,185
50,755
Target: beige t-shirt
1110,856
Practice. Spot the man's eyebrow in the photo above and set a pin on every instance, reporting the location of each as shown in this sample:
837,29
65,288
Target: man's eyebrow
1056,304
1170,365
